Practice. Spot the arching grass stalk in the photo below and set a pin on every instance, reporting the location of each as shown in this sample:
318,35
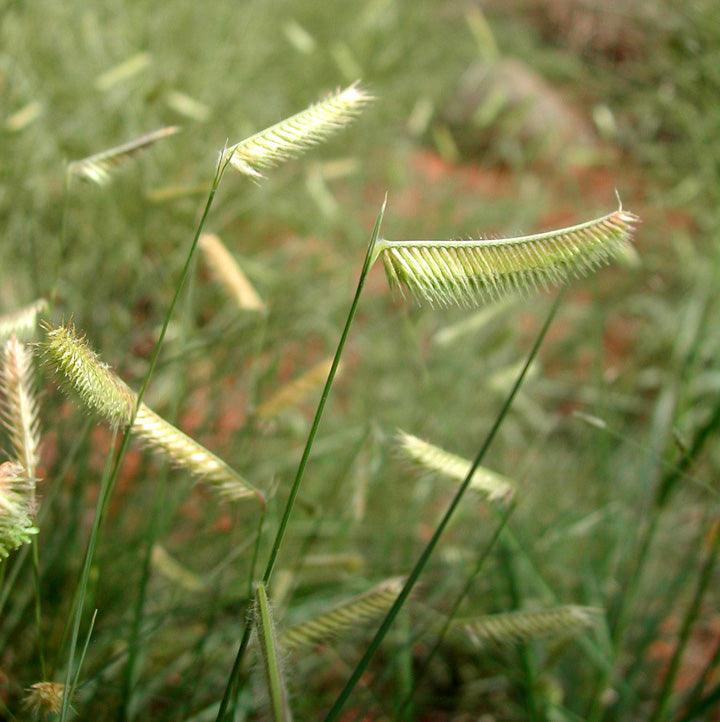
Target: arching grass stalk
109,484
230,688
430,548
454,609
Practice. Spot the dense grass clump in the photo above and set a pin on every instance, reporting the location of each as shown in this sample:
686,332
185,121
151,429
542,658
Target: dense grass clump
490,494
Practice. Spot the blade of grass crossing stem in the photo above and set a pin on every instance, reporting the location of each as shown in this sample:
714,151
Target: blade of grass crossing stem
427,552
420,675
295,488
665,697
108,485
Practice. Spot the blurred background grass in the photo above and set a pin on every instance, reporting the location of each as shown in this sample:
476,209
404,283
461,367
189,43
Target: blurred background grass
492,118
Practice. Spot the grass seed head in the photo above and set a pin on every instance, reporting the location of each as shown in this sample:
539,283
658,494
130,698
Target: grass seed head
296,134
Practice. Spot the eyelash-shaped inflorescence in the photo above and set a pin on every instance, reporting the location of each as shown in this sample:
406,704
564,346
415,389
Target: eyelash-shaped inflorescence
80,370
470,273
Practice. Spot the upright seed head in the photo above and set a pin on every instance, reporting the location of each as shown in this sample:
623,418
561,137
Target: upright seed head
294,135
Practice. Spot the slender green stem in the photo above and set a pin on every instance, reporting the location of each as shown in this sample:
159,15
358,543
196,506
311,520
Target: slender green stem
266,637
109,483
295,488
665,696
454,609
256,551
427,552
38,605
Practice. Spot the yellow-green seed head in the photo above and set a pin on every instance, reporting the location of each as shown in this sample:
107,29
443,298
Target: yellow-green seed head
79,368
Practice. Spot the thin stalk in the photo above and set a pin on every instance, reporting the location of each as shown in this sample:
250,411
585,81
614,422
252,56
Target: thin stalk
454,609
38,605
256,551
427,552
664,698
266,638
109,484
295,488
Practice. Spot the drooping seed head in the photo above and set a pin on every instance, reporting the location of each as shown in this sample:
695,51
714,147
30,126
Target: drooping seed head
78,367
470,273
44,698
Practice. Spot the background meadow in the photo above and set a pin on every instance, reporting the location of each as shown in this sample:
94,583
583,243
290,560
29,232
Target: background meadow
494,119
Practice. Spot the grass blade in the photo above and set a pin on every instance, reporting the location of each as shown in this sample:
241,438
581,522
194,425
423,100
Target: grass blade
295,488
427,552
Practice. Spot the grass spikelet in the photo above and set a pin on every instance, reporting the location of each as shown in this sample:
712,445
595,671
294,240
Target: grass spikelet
294,392
294,135
521,626
188,454
171,569
345,617
16,508
99,168
125,70
489,483
80,369
44,698
229,274
22,322
271,660
470,273
19,408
